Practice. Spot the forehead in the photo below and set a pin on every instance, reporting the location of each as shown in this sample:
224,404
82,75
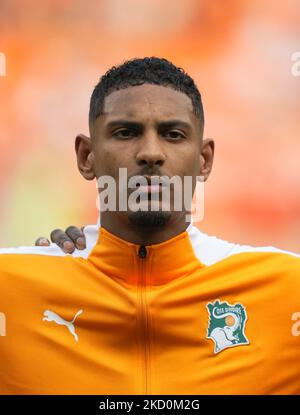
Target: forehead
144,101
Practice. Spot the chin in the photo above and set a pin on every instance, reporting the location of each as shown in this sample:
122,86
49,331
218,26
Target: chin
148,219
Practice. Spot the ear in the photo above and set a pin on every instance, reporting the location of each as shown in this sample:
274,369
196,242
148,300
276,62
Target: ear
85,156
206,157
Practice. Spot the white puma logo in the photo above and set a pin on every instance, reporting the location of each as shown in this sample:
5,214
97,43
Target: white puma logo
51,316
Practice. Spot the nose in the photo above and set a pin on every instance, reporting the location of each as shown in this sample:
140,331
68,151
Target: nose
150,151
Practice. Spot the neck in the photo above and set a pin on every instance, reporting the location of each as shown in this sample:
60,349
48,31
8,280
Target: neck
120,225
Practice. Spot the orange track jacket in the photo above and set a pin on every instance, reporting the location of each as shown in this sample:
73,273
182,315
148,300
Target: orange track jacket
192,315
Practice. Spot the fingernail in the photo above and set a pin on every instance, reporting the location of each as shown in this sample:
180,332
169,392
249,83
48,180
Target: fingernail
80,243
68,246
43,241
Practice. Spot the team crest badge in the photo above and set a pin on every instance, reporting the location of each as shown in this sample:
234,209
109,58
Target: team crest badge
226,325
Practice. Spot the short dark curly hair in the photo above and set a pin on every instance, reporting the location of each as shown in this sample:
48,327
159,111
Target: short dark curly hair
148,70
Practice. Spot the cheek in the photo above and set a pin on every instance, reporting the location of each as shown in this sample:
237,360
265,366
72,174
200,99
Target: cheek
188,163
196,164
108,160
104,163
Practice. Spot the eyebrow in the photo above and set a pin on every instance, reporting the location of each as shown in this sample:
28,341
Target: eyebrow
137,124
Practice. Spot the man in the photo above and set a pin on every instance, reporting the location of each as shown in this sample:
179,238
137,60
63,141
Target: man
151,305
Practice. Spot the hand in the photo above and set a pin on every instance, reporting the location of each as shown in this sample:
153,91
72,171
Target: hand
72,238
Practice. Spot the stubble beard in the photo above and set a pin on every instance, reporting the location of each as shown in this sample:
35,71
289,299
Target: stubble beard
150,220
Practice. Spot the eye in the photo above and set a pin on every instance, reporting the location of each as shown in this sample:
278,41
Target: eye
174,134
124,133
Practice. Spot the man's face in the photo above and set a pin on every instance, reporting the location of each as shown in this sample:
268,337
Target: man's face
149,130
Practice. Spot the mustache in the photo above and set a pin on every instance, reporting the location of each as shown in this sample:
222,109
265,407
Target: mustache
150,173
151,177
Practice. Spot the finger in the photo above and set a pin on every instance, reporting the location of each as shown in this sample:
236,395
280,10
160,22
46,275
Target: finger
42,241
60,238
77,236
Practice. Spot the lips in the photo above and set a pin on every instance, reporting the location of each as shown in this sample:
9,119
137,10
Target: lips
150,188
155,180
155,184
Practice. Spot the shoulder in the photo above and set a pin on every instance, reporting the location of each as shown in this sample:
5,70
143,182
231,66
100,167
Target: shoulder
271,266
26,268
91,234
211,249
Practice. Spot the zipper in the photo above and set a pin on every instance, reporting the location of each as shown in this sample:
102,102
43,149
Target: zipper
142,254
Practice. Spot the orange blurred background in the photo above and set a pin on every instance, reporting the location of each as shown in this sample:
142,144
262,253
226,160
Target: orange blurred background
238,52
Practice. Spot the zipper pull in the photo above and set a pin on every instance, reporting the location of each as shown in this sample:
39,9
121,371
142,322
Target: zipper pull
142,251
